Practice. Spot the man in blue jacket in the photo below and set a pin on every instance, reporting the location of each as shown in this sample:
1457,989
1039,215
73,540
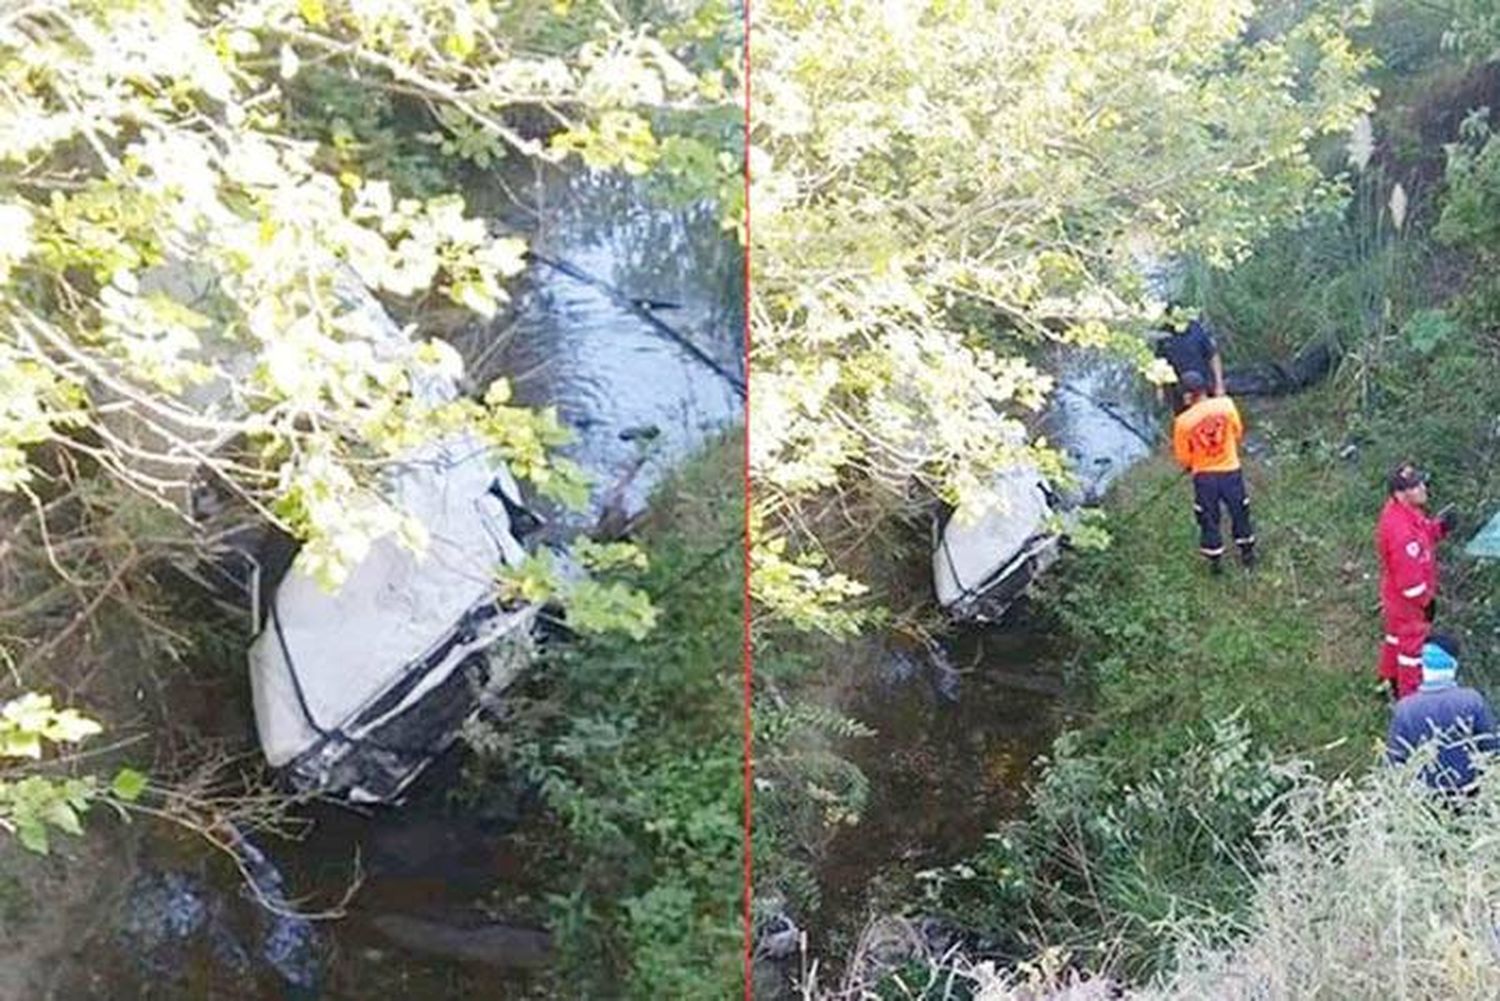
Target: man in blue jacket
1443,710
1189,347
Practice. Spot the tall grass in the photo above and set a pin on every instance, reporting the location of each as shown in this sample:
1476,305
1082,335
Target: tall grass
1349,281
1369,890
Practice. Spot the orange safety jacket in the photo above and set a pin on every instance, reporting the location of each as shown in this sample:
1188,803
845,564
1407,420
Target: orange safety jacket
1207,435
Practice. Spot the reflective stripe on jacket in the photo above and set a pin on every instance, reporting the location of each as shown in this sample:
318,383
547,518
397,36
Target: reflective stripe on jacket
1405,540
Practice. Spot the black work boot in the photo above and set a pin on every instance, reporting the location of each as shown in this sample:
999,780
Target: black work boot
1247,556
1216,566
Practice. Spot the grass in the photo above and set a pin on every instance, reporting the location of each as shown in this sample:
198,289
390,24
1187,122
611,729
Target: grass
1292,644
1367,891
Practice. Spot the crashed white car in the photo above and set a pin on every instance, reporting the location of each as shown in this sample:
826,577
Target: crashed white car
982,562
357,691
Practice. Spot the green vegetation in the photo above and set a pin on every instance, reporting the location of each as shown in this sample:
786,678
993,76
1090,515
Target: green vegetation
191,194
166,269
1366,890
947,189
1213,825
635,745
921,254
1163,823
34,806
205,207
1196,686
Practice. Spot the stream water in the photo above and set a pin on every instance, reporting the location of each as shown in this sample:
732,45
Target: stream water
183,925
632,395
957,737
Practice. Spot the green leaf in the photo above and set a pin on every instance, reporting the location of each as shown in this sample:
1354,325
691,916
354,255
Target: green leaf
69,727
60,814
460,44
33,834
128,785
313,12
20,745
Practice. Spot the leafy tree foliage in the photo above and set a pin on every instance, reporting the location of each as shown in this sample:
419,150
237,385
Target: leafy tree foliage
939,189
33,806
202,208
187,248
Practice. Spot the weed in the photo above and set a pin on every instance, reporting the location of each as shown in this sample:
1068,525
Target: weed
636,749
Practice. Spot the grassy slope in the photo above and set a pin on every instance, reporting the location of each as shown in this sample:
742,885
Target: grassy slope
1292,644
1292,648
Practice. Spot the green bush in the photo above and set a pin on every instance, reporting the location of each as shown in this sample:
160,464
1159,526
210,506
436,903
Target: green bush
636,747
1116,854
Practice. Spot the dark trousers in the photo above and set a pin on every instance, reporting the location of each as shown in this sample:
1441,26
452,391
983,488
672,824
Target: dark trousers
1210,490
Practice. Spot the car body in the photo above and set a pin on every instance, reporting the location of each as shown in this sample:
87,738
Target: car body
982,561
357,690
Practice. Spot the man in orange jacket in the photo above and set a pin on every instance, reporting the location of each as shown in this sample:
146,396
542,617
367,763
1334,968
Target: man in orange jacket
1205,439
1406,541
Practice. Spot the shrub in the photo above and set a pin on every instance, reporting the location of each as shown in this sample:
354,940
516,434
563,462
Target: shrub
635,745
1112,859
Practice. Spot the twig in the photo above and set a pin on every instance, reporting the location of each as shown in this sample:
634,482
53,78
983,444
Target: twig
84,614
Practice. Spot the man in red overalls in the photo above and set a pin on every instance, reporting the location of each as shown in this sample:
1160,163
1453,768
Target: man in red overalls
1406,541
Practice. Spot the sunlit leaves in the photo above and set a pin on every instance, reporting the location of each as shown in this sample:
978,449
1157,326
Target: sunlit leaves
941,188
30,719
180,253
33,402
32,806
619,139
15,236
29,807
595,602
128,785
800,590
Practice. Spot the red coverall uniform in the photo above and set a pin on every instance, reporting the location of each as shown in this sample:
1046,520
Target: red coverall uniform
1406,540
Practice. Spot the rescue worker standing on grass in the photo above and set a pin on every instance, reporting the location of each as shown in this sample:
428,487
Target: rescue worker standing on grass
1205,439
1406,541
1189,347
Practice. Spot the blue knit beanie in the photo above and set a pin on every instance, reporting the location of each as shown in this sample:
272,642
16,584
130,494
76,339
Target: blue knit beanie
1439,668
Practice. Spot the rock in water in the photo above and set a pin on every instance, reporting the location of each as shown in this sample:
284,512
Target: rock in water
779,939
505,946
641,432
169,915
288,942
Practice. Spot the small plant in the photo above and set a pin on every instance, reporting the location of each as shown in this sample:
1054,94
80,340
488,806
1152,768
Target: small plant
34,806
596,603
1426,330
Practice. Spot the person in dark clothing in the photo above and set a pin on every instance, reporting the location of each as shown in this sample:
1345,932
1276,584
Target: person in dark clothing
1443,710
1189,347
